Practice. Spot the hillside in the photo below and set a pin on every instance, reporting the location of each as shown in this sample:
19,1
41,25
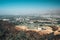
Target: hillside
8,31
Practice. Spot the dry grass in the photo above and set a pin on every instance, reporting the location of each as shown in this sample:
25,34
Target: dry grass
21,27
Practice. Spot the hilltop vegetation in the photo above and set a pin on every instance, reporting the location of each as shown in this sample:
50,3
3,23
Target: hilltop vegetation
8,31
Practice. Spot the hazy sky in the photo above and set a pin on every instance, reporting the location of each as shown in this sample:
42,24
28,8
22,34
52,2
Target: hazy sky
22,7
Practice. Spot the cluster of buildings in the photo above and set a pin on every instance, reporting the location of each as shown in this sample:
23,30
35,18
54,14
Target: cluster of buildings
32,21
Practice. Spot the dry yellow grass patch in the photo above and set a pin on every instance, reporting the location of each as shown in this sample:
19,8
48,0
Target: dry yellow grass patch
21,28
